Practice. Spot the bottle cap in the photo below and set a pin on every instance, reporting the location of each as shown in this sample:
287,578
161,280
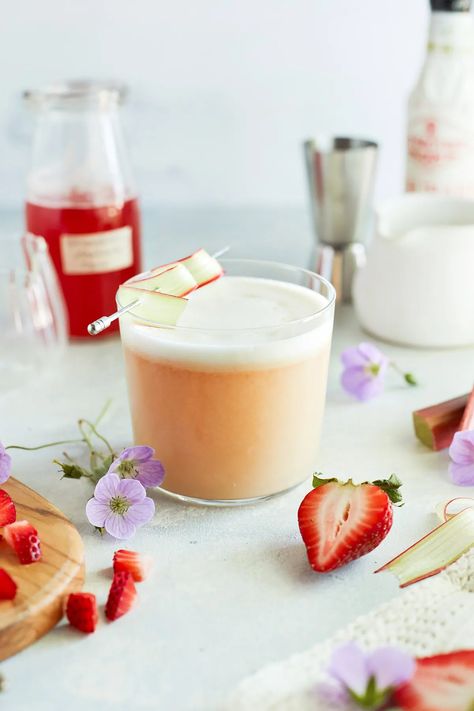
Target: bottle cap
450,5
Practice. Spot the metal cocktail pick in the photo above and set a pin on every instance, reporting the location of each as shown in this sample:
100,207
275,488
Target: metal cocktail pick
102,323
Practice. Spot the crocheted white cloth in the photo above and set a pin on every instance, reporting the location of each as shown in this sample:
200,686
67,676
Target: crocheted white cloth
434,616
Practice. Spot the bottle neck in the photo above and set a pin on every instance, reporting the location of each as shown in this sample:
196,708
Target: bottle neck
79,158
451,33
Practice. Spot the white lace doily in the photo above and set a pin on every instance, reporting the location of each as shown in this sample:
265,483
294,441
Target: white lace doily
434,616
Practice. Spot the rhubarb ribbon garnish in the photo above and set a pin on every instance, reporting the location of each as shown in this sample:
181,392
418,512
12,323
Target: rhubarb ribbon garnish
438,549
444,511
158,297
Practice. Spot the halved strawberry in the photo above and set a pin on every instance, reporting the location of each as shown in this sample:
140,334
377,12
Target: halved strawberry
81,611
137,564
23,538
121,597
340,522
7,509
8,587
444,682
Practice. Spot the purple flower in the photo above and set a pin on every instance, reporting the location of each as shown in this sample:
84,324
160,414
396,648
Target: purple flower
138,463
364,371
461,452
333,693
5,464
370,677
119,506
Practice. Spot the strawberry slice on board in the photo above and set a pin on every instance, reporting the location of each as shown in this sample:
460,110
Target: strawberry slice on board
341,521
137,564
23,538
7,509
81,611
8,587
122,595
444,682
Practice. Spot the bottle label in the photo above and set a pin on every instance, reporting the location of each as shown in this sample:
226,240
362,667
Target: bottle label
440,155
97,252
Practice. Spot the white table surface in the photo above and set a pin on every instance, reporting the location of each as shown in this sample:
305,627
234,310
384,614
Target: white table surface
231,589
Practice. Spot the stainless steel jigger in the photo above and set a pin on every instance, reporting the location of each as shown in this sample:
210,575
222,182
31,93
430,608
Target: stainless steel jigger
341,175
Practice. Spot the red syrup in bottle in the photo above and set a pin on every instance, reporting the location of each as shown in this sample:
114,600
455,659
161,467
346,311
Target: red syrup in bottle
94,250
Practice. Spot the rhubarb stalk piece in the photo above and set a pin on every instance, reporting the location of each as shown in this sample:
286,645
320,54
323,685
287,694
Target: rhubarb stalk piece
202,266
467,422
436,425
175,280
153,308
436,551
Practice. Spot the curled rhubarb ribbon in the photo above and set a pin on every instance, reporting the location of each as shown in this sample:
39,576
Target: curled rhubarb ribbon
443,512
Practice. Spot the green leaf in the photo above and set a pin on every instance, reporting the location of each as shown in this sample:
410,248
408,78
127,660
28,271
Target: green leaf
391,487
71,471
318,480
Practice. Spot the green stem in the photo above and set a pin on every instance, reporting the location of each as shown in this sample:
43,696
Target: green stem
103,412
408,377
44,446
97,434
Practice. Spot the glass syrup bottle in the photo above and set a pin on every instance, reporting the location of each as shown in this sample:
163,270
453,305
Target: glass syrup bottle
81,198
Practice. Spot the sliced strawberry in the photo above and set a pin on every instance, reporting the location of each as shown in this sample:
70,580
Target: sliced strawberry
7,509
8,587
81,611
121,597
23,538
137,564
444,682
340,522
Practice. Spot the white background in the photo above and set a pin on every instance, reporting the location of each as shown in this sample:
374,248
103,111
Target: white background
224,91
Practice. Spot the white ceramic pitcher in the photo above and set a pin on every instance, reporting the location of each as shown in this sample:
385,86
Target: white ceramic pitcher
417,287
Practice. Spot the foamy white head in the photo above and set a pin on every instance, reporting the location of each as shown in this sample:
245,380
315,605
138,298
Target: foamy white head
239,321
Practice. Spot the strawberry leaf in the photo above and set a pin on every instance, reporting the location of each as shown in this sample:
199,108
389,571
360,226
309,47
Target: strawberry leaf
319,481
391,487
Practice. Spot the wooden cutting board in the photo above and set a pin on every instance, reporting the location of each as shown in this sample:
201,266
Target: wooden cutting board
38,604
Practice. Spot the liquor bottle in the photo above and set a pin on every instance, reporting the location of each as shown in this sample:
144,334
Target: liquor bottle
441,107
80,196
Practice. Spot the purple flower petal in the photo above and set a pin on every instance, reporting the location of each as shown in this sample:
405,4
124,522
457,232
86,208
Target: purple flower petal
151,473
114,466
332,693
141,453
462,474
348,665
97,512
107,487
132,490
461,450
119,526
363,355
141,513
5,464
362,385
390,667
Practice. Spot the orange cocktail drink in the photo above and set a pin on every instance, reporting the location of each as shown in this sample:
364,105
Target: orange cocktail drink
232,397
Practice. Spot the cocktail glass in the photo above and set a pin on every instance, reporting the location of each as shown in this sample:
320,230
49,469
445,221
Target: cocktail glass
234,414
